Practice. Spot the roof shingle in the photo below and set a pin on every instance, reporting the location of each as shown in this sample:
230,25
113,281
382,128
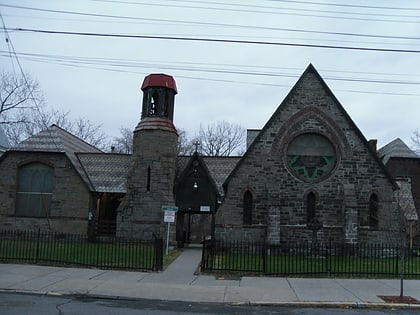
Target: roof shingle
106,172
396,148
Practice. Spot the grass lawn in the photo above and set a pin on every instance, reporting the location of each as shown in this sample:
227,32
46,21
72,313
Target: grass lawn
137,256
301,265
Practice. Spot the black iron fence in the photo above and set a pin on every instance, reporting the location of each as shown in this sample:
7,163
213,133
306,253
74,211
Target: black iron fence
323,260
53,248
102,227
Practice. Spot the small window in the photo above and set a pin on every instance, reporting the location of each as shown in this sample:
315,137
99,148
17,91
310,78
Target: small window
310,207
149,174
373,211
247,215
34,190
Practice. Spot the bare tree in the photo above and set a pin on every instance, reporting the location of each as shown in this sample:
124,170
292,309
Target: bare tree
89,132
415,141
221,139
185,145
31,122
17,93
124,142
401,218
23,113
20,98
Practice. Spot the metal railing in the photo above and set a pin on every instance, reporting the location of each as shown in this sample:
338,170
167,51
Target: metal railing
52,248
103,227
312,260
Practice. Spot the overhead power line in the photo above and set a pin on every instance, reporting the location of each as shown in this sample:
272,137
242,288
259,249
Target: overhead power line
332,16
132,66
215,40
225,25
272,9
240,69
348,5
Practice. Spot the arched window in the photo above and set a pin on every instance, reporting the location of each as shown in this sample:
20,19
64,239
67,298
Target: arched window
373,211
310,207
154,104
34,190
247,215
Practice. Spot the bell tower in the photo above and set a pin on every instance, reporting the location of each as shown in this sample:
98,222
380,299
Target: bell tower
150,182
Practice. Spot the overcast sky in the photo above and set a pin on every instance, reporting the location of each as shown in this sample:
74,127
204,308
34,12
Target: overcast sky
244,59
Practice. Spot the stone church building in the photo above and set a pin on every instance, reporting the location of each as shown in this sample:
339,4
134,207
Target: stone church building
308,173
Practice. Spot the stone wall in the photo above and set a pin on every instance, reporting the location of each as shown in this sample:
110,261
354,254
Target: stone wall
70,203
154,157
309,107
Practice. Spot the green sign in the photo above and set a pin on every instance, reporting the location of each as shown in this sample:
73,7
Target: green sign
169,208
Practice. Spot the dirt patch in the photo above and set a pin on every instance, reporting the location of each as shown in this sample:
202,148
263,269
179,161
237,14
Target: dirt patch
399,299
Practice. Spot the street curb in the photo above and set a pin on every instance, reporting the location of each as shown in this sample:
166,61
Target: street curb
360,305
300,304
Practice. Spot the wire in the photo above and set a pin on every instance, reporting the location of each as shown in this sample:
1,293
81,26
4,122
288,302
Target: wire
92,63
347,5
300,9
214,40
137,18
9,48
28,86
347,34
9,41
206,67
223,25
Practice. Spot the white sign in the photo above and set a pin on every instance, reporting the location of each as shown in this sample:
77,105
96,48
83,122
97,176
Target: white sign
205,208
169,216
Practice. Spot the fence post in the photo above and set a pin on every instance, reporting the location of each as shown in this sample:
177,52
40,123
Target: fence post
203,256
328,257
158,242
264,257
37,245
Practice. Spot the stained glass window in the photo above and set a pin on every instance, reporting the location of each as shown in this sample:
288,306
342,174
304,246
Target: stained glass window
311,156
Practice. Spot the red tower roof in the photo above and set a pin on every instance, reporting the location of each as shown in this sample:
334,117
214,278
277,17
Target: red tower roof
159,79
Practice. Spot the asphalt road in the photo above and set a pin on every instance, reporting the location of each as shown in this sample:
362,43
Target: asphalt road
22,304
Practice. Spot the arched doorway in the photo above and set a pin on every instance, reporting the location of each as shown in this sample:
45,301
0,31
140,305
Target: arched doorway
196,196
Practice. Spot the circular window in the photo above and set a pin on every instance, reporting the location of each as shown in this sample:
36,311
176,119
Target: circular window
311,156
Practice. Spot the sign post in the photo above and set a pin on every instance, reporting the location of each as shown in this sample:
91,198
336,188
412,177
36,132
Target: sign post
169,217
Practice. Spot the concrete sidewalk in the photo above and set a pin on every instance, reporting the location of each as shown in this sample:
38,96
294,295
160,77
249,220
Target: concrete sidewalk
179,283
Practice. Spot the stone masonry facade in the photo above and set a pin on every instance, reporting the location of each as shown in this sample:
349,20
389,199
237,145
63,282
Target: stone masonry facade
150,184
279,197
71,199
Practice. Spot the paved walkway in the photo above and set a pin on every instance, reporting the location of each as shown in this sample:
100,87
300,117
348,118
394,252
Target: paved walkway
180,283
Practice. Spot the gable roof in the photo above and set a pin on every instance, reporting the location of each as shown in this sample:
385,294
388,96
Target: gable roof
219,167
311,70
57,140
107,172
188,167
396,148
54,139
